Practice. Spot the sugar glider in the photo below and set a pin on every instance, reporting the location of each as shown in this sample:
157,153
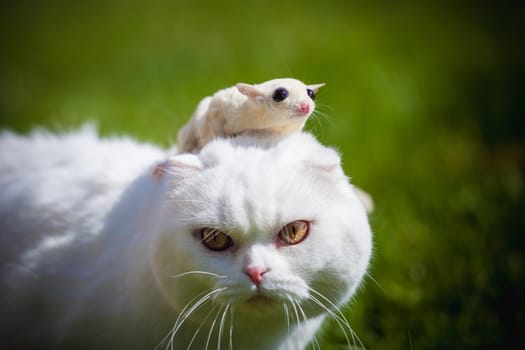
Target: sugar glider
275,107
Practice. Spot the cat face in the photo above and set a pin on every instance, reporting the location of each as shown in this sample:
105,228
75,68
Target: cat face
286,100
260,228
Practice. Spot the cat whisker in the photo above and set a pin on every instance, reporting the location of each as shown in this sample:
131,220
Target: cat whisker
375,281
211,235
337,319
193,273
173,330
211,330
287,314
297,320
231,328
340,319
193,338
301,311
315,342
305,319
296,313
190,307
198,329
179,321
221,326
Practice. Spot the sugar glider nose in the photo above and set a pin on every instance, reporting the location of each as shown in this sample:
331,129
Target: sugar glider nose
255,273
304,107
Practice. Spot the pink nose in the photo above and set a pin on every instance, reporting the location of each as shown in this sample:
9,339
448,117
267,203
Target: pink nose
255,273
304,107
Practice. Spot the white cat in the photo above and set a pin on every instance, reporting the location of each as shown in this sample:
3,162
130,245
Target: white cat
278,106
248,245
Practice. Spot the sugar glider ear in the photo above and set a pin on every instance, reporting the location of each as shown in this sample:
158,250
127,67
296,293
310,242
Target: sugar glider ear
178,166
249,90
316,87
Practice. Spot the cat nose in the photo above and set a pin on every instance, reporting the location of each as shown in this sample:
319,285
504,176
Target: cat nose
255,273
304,107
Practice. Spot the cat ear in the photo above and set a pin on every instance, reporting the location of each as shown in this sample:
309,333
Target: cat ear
249,90
316,87
178,166
365,198
325,160
303,148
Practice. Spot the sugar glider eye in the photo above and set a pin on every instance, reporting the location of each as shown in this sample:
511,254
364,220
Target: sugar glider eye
295,232
280,94
214,239
311,93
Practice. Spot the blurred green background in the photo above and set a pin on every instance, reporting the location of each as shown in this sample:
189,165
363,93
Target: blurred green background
425,100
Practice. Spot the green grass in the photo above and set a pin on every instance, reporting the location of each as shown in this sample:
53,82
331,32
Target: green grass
426,103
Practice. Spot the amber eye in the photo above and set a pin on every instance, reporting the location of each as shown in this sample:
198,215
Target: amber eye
214,239
294,232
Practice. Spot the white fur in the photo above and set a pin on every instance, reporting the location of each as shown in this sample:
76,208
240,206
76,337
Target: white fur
99,247
247,108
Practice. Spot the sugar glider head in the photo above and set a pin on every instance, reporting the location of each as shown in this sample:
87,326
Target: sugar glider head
287,101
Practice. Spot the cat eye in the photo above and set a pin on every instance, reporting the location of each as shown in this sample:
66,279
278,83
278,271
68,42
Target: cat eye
311,93
214,239
294,232
280,94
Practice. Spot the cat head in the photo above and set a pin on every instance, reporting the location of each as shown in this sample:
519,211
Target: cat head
259,226
287,100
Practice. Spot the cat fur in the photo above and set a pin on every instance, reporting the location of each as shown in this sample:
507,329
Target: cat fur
99,249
